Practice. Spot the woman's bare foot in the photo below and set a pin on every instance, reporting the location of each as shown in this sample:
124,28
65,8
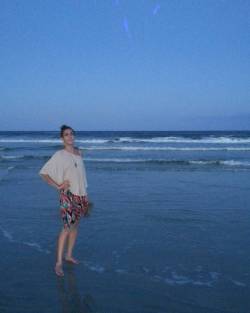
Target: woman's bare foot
58,269
71,260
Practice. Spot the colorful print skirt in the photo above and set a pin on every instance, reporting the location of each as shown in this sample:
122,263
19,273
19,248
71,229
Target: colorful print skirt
72,207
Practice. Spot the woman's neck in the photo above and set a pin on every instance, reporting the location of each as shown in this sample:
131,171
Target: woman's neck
69,148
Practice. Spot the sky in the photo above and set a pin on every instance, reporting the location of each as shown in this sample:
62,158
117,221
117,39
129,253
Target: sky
125,64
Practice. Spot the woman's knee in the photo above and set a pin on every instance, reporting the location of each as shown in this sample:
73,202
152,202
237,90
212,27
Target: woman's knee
74,228
64,231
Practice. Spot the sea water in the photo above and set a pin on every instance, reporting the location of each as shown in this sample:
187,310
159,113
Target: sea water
168,232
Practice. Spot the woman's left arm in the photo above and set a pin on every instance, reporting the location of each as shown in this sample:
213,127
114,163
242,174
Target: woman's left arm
80,152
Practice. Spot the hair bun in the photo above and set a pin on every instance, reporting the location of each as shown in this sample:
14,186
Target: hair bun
63,127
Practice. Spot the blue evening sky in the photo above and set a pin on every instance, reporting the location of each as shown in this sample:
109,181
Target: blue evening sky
125,64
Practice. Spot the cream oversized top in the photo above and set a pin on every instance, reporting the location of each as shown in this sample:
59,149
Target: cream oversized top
61,166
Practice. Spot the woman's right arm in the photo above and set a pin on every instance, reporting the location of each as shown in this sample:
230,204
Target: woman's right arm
51,182
53,171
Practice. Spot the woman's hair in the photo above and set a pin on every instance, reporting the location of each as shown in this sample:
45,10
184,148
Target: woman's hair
64,127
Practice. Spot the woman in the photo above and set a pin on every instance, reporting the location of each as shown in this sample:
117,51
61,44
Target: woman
65,171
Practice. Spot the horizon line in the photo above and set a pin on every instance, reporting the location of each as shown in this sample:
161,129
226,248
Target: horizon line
194,130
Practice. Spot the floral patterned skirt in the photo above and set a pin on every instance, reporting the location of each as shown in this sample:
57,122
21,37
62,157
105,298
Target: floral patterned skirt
72,207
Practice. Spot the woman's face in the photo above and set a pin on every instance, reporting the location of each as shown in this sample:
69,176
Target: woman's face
68,136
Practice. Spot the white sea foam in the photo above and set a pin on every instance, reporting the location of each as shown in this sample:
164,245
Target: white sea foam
198,278
171,161
165,139
178,139
214,275
35,245
94,267
232,163
138,148
53,141
12,156
117,160
177,279
31,140
222,162
236,163
238,283
6,234
4,172
120,271
171,277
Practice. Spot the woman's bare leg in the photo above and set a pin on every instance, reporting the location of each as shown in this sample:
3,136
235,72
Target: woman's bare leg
71,242
60,247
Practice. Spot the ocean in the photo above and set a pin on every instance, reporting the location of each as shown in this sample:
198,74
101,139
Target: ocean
169,230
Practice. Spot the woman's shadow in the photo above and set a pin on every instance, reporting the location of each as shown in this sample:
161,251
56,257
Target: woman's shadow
69,297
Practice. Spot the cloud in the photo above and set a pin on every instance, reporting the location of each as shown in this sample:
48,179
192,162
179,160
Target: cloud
125,26
156,9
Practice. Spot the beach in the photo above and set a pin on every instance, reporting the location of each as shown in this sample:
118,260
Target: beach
168,231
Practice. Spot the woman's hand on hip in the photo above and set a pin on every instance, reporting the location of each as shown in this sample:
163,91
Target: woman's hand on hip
65,185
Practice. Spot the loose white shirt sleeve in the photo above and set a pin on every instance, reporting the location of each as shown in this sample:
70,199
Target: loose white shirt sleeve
61,166
54,168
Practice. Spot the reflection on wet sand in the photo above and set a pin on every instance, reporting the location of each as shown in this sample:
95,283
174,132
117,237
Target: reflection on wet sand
69,296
